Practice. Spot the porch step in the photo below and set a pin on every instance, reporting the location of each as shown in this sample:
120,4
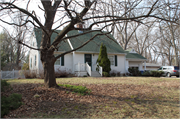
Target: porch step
95,74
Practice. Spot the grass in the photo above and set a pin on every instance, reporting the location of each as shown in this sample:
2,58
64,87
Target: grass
92,80
77,89
117,97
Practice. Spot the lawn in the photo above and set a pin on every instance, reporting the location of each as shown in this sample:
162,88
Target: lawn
113,97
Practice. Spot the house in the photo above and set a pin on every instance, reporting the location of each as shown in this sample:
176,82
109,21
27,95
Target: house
83,61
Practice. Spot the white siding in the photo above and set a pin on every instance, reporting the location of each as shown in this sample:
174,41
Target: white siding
32,55
79,57
67,64
136,64
120,64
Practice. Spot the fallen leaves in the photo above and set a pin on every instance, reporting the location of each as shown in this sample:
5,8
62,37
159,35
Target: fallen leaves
107,100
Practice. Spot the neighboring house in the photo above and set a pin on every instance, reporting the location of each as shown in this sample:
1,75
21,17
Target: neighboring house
152,66
82,61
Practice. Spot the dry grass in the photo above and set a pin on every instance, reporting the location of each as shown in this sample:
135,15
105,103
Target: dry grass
117,97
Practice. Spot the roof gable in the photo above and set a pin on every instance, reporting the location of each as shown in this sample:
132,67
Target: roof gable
134,55
94,45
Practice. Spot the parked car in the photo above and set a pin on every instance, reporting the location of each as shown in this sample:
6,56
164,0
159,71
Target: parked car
170,71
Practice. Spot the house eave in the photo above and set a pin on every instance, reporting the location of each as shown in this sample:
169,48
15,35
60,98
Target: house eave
133,59
98,52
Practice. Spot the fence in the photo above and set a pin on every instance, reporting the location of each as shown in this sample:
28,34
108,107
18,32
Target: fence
14,74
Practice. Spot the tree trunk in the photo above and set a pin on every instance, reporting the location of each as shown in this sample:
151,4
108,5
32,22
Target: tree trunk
48,61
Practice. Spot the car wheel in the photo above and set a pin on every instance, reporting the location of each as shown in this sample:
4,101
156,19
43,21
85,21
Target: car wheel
168,74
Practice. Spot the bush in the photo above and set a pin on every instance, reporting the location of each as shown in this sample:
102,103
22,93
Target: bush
29,74
118,74
4,85
61,73
10,103
25,66
113,74
146,73
156,73
105,74
134,71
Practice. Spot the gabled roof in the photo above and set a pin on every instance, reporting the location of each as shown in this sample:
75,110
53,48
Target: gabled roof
134,56
94,45
63,46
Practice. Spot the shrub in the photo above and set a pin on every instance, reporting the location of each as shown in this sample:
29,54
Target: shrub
156,73
118,74
134,71
113,74
61,73
77,89
146,73
25,66
4,85
10,103
29,74
103,60
105,74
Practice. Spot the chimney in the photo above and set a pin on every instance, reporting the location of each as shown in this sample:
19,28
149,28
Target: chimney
80,25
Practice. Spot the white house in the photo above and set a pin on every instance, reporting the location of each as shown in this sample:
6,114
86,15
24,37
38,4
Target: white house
83,61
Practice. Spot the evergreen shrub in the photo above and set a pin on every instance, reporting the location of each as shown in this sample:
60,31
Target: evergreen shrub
134,71
11,102
103,60
105,74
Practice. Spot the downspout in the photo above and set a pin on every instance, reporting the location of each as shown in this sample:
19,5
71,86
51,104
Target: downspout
73,54
125,63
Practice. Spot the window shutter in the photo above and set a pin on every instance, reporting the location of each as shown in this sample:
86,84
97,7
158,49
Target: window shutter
115,60
62,61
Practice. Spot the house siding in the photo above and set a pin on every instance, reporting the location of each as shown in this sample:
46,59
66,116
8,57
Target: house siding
32,54
79,57
120,64
136,64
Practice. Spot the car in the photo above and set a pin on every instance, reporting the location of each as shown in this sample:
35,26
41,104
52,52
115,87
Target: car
170,71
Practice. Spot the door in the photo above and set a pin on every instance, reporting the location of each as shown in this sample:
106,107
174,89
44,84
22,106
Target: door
88,59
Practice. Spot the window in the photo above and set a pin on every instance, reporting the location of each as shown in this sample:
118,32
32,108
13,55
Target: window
57,61
35,60
60,61
111,58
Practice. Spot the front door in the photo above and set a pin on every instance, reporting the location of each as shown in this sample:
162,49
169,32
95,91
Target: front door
88,59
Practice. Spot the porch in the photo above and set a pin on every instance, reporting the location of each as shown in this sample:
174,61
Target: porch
83,69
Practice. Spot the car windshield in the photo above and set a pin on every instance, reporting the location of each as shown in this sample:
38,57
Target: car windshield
176,68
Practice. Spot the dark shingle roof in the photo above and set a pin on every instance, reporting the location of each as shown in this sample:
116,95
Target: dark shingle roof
64,46
94,45
134,56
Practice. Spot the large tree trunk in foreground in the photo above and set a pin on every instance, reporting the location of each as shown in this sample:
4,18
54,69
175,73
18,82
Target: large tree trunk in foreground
48,61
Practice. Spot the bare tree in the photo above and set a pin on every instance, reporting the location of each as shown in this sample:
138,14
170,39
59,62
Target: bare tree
74,11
